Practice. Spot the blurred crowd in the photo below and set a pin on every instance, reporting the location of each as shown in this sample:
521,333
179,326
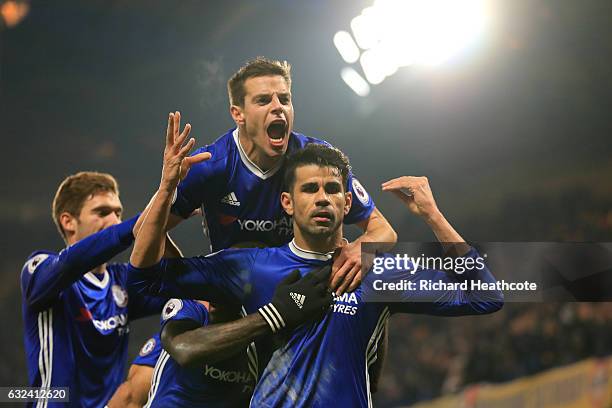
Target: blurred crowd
437,355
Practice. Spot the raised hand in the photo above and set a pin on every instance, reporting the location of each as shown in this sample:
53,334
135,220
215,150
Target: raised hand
176,162
416,194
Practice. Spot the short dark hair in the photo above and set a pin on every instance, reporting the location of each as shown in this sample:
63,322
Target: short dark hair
317,154
257,67
76,189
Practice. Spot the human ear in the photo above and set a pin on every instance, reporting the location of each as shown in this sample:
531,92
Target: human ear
237,114
348,201
287,203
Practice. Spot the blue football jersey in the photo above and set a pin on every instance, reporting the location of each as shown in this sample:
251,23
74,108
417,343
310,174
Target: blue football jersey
149,352
76,322
325,363
241,203
227,383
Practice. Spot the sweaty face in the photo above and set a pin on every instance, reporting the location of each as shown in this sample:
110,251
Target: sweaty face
267,115
318,202
100,211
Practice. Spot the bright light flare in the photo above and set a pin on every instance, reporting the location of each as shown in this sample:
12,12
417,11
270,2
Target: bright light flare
437,30
346,47
355,81
398,33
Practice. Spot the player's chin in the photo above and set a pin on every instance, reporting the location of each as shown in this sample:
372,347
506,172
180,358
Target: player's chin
277,149
322,229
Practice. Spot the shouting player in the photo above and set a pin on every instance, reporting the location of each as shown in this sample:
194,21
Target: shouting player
325,363
239,186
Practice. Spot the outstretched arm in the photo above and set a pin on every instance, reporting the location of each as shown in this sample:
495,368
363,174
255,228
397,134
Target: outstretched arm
192,345
449,297
416,194
44,276
150,242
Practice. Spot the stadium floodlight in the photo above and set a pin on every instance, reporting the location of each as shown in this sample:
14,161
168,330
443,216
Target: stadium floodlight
373,66
346,47
437,30
366,28
399,33
355,81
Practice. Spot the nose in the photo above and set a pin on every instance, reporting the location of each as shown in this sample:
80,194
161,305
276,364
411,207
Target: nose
112,219
321,199
277,106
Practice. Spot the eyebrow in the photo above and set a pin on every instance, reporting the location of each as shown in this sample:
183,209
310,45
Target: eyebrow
309,184
315,184
280,94
107,207
334,184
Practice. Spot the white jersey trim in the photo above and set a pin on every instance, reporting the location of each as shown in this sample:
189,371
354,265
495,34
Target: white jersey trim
253,168
306,254
45,354
253,361
372,348
94,280
157,374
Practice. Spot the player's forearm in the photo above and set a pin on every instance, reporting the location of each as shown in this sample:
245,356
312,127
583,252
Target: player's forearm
377,229
133,393
173,220
452,243
171,249
151,239
122,397
209,344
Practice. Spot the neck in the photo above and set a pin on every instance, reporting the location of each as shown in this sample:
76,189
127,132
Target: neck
99,270
258,157
318,243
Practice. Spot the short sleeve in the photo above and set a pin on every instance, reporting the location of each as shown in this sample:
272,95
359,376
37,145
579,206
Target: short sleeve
184,309
362,206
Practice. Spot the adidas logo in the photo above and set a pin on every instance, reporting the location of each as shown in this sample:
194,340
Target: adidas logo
298,299
231,199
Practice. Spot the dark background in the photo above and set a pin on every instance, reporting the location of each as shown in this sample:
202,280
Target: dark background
514,136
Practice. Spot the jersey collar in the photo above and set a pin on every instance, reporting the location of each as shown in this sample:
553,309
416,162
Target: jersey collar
306,254
94,280
249,163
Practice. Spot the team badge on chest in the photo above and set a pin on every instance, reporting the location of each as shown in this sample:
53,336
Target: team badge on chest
120,296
